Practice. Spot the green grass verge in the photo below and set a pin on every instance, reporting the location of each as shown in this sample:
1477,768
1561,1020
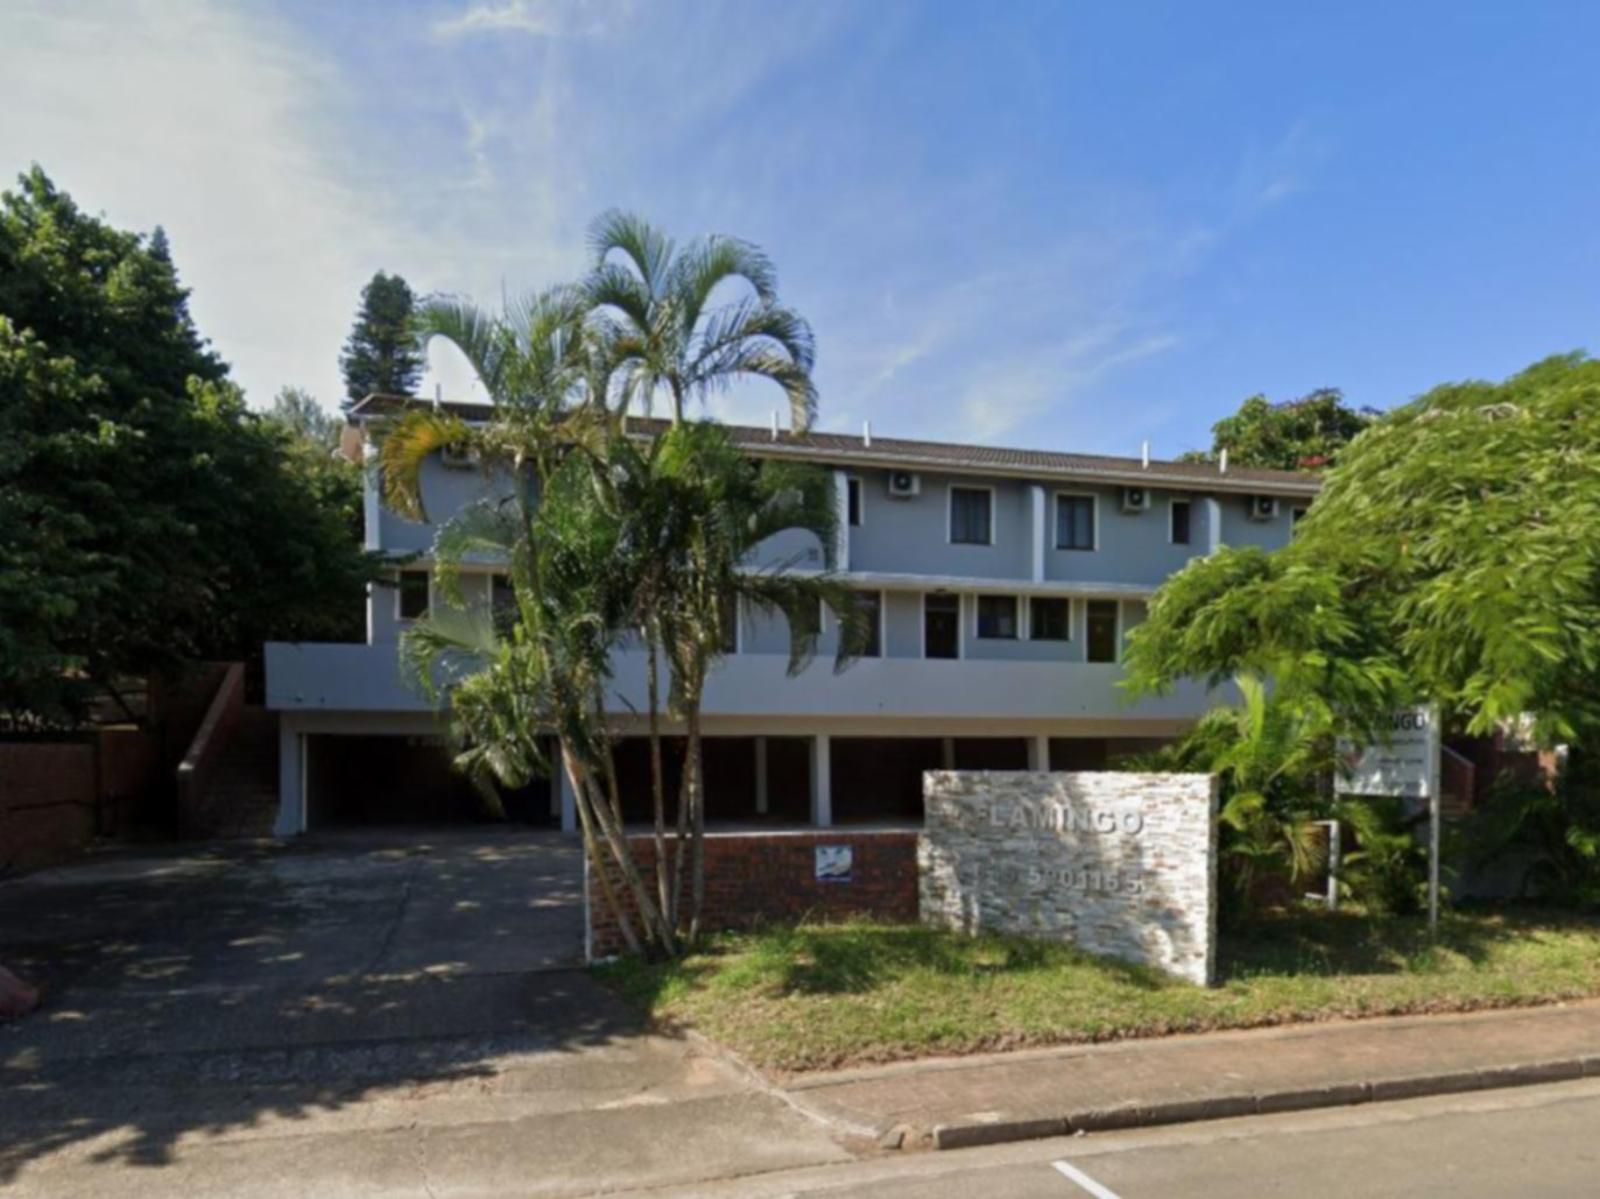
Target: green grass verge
822,996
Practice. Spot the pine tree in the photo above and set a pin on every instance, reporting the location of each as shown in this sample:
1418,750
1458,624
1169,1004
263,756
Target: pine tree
381,353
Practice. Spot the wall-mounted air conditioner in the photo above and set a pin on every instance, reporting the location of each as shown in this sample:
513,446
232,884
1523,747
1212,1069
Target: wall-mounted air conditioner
1135,499
903,484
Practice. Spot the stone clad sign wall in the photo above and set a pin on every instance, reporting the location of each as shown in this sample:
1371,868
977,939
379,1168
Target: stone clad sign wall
1117,864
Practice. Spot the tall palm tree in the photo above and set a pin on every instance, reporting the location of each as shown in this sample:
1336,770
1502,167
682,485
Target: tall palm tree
652,306
726,506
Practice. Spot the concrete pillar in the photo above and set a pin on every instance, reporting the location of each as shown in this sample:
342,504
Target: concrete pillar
761,776
371,513
947,753
1213,524
569,801
1039,528
557,774
821,782
1039,754
291,818
841,535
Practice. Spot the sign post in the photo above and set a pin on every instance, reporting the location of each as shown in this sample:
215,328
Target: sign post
1406,767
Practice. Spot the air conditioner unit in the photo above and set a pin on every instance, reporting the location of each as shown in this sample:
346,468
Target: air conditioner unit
903,484
1135,499
458,457
1263,507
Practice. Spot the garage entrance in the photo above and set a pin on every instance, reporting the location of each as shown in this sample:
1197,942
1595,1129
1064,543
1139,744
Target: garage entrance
355,781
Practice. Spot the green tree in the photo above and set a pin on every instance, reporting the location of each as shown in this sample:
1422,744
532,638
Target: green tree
146,517
1304,434
1454,555
664,337
297,410
381,353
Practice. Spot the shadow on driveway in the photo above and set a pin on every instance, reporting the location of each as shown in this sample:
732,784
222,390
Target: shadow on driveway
209,989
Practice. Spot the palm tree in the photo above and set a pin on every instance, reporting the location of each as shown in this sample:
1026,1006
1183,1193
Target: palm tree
549,670
652,306
723,506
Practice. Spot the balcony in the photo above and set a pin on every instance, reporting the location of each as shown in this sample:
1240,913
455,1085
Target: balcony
366,678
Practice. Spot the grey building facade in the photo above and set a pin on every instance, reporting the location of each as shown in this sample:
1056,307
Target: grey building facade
1006,583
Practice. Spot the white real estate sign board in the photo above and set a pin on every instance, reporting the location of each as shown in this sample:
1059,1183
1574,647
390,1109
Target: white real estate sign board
1406,766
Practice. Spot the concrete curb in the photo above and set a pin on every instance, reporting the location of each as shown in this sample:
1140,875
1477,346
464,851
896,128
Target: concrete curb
1222,1107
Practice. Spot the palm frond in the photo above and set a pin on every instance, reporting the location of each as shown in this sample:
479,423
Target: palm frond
643,245
709,262
404,445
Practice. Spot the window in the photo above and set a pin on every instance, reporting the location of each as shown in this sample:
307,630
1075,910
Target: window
1180,522
869,615
1102,630
1296,515
413,598
997,617
971,513
941,626
1050,618
730,624
1074,522
852,489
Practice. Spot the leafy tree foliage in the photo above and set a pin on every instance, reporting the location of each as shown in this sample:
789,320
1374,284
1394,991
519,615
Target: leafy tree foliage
1454,555
1303,434
381,353
297,411
146,516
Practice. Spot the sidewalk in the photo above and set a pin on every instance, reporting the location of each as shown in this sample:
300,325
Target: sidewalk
952,1103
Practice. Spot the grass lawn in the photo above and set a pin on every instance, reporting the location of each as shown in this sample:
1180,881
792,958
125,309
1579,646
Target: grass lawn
822,996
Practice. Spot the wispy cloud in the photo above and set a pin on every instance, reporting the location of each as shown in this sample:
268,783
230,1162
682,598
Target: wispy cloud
538,18
208,121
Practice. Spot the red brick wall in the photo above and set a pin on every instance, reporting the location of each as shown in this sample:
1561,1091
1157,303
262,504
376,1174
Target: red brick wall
47,791
55,796
757,878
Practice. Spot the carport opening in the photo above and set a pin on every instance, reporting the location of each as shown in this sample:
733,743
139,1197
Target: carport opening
732,792
361,781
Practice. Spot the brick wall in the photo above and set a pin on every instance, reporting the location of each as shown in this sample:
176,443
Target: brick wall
56,796
764,877
47,794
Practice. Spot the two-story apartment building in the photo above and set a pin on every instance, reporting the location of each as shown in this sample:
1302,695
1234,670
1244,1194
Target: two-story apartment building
1003,582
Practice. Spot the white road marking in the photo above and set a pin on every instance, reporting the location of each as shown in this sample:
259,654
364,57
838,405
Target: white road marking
1068,1170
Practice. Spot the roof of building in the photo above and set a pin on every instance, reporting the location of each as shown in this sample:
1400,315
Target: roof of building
895,452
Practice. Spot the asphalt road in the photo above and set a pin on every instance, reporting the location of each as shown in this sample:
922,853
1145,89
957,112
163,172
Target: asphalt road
1535,1141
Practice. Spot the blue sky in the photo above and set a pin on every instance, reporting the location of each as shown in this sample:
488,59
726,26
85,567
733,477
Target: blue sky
1037,224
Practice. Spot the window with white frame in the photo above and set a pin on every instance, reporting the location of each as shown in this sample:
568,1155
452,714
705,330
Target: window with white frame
1075,521
1103,627
997,617
1050,618
971,516
411,600
941,625
1179,522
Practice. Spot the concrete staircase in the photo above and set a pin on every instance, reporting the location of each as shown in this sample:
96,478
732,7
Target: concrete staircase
241,797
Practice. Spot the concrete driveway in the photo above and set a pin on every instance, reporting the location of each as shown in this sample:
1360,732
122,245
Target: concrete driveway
391,1014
